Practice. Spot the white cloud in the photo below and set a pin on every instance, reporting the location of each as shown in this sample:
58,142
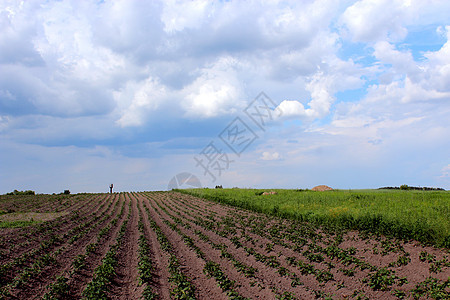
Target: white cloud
416,92
388,20
180,15
215,92
92,54
372,20
321,98
446,171
138,100
270,156
402,62
4,122
130,28
292,109
439,65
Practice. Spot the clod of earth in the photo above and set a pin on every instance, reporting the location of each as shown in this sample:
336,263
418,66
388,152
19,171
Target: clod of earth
321,188
270,193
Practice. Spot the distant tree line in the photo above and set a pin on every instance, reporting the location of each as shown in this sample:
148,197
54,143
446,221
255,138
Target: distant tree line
16,192
407,187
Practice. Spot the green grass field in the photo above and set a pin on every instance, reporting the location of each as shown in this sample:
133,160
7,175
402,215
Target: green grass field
418,215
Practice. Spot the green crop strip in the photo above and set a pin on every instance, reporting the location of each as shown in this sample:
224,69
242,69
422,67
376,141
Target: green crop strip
105,272
145,264
213,269
432,288
57,290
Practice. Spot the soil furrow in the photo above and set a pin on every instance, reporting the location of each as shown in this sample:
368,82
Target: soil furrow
125,284
161,283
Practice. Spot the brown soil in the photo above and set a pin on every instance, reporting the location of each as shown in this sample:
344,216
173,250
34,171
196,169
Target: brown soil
31,216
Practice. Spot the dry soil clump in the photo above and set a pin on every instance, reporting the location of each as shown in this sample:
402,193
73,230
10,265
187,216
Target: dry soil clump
322,188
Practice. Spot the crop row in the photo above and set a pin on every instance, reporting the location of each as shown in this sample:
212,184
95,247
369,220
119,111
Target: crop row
145,265
182,284
104,273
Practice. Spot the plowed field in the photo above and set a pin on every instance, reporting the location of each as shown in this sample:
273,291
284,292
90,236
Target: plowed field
163,245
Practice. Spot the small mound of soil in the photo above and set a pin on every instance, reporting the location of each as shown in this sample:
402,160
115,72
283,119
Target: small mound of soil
322,188
270,193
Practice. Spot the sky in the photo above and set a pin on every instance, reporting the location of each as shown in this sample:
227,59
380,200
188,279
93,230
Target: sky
250,94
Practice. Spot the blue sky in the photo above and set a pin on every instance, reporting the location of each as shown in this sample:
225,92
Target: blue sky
357,94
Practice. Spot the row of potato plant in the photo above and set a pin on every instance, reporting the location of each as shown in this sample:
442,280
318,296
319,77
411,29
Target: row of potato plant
182,284
105,272
145,264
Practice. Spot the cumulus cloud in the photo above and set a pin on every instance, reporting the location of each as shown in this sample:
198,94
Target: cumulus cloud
401,62
439,64
292,109
217,91
137,100
270,156
180,15
372,20
334,75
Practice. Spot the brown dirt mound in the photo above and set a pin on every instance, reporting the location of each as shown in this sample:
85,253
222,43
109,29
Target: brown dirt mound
270,193
322,188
